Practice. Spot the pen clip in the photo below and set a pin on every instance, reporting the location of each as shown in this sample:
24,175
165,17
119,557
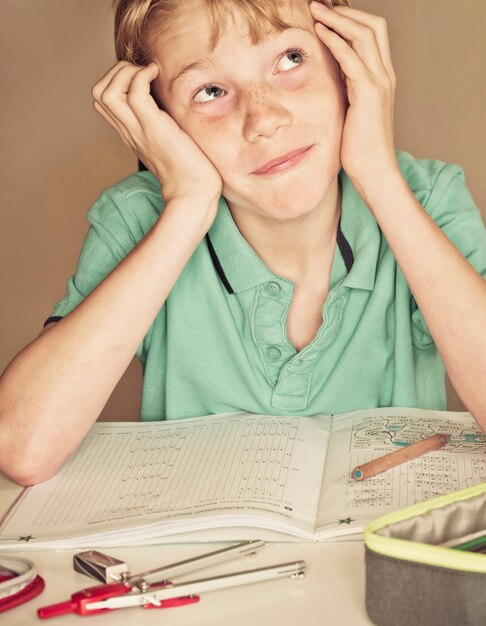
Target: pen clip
172,602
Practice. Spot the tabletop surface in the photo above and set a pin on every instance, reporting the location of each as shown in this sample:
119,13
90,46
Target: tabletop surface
331,593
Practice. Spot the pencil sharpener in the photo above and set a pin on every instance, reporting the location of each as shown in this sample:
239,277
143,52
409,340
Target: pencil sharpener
99,566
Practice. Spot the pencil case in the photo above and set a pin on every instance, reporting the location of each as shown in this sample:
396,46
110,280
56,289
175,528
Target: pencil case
411,579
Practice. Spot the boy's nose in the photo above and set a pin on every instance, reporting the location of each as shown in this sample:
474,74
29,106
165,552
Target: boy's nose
264,112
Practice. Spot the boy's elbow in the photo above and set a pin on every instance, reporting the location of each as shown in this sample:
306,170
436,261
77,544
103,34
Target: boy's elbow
23,462
25,474
19,477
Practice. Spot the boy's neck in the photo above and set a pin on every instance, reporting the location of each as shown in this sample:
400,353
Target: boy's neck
298,249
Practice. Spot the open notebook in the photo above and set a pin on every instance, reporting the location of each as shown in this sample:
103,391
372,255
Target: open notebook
240,476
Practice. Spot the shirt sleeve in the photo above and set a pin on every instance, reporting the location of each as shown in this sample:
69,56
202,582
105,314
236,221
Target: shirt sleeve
452,207
111,236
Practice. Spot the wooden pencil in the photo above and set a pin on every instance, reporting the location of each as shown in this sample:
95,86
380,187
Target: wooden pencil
399,456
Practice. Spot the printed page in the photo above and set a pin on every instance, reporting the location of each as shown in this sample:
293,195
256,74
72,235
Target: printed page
347,505
126,475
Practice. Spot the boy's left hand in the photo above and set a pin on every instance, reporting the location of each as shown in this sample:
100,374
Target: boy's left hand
360,45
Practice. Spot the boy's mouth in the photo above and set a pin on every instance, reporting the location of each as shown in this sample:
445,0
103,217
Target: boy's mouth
283,162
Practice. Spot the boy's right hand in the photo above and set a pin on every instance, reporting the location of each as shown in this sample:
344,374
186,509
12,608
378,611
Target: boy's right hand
123,99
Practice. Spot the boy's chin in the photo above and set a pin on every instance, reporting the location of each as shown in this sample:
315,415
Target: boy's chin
298,200
286,214
279,201
289,210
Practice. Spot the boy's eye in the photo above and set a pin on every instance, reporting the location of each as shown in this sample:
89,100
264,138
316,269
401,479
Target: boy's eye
296,57
293,56
209,91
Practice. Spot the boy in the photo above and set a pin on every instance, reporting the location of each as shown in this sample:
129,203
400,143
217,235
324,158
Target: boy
266,261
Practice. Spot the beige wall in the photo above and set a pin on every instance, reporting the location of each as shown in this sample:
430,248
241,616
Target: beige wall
58,154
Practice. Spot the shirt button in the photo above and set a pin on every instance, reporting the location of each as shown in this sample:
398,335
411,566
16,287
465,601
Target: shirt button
298,362
273,353
272,288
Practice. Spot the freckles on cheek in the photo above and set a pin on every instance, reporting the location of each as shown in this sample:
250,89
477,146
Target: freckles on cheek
315,87
209,135
318,97
212,129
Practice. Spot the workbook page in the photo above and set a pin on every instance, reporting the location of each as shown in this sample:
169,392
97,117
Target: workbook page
126,475
356,438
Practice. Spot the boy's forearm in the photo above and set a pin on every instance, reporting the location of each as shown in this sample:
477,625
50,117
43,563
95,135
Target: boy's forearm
450,293
56,387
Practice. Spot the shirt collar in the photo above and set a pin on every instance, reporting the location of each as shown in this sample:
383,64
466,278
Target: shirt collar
363,235
240,268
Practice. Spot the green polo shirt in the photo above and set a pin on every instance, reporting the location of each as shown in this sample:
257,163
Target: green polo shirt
219,342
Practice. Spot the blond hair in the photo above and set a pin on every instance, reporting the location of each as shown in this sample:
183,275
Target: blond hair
136,21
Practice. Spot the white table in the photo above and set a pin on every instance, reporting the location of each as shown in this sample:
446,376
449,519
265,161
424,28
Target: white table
330,594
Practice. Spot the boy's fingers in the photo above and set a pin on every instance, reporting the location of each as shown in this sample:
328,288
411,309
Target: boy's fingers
123,99
99,92
349,60
113,101
105,80
381,32
361,37
121,130
117,119
140,99
379,24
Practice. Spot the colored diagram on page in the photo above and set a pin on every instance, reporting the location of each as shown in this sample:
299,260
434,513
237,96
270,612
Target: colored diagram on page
461,464
378,433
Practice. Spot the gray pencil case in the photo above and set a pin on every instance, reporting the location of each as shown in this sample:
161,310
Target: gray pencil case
411,579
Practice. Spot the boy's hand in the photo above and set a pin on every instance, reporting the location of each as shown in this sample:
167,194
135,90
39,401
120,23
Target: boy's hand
123,99
359,43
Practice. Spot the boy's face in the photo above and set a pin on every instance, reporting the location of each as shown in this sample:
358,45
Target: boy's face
254,104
